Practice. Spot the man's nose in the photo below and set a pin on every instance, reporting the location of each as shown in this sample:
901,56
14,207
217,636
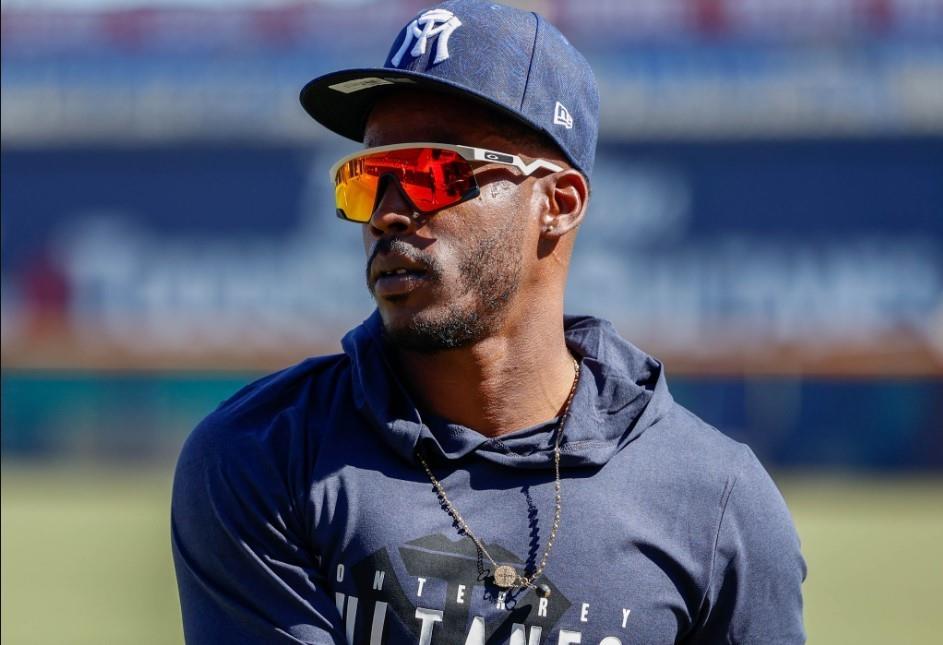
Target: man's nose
393,214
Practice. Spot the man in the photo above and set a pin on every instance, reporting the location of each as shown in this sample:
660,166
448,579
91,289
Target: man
475,467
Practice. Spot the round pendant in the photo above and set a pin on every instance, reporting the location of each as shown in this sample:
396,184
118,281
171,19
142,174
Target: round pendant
504,576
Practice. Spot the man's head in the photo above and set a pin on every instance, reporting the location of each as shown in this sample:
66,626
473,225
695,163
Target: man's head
484,76
480,265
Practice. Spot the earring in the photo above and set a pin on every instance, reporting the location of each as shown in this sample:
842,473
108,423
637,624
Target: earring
415,215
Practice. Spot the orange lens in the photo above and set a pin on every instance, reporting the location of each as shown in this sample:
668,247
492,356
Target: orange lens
431,178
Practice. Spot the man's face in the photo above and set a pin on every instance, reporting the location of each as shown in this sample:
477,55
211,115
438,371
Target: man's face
466,264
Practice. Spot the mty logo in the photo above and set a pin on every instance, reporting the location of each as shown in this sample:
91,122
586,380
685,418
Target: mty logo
561,116
435,24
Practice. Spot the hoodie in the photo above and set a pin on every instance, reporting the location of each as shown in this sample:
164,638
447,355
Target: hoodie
301,514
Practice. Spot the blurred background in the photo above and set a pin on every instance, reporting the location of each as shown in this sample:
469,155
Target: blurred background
767,218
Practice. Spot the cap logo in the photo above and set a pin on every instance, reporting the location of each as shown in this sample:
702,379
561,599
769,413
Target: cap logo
435,24
561,116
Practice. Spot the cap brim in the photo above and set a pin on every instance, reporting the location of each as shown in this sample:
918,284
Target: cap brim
342,101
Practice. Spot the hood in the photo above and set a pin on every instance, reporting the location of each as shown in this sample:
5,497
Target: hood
621,392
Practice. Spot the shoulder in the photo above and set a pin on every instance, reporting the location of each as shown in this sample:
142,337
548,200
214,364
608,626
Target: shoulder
695,453
706,451
710,479
755,568
249,462
753,518
306,384
272,414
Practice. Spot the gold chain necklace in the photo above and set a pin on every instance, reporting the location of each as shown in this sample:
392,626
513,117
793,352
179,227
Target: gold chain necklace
505,576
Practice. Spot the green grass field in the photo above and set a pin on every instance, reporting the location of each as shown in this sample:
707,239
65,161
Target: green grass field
86,557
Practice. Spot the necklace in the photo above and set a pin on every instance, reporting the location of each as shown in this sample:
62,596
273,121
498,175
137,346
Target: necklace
505,576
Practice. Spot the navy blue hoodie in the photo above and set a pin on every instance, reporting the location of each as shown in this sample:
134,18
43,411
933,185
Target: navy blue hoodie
301,515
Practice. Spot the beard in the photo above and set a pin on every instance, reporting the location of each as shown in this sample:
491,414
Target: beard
489,273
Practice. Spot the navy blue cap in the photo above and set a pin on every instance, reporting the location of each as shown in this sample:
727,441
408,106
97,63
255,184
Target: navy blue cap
511,60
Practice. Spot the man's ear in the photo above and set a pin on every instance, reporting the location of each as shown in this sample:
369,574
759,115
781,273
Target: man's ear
568,197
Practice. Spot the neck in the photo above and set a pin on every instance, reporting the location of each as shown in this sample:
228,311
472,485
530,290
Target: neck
506,382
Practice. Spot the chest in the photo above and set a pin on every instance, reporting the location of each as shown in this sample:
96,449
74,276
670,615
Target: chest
620,570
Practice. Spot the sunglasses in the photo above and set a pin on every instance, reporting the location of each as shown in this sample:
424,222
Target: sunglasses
432,176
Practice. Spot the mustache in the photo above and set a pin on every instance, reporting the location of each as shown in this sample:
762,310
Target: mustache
398,246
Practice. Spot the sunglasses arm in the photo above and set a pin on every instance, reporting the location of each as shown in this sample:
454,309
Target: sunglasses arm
490,156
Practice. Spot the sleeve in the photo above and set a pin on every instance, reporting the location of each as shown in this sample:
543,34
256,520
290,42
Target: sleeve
754,595
245,572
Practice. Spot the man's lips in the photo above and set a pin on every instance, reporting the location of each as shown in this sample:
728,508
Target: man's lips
398,284
394,263
396,274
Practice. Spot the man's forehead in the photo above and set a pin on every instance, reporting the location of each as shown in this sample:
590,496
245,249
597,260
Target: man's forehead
426,116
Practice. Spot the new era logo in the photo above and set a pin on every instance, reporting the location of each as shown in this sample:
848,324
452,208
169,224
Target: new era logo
561,116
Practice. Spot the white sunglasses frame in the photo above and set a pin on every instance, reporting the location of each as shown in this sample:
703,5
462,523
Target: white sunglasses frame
466,152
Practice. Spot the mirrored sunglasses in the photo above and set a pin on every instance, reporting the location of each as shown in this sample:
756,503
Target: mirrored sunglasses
432,176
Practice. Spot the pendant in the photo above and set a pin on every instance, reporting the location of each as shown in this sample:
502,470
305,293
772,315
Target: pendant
505,576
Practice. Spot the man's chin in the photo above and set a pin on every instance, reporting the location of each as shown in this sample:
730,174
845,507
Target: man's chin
427,333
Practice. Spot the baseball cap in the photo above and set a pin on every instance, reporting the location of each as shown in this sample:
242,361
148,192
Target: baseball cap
511,60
